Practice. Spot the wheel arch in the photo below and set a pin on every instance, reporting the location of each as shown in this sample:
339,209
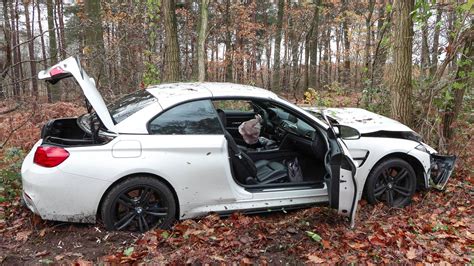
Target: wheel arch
413,161
161,179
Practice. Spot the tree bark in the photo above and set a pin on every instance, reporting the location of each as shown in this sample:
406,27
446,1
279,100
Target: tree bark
381,49
228,44
465,80
311,49
40,27
425,56
434,50
60,11
94,39
8,50
368,25
347,44
277,50
31,47
202,32
16,52
171,51
400,86
53,90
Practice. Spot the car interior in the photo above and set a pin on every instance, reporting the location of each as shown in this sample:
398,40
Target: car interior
289,150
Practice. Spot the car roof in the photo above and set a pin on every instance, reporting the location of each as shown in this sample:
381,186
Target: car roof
173,93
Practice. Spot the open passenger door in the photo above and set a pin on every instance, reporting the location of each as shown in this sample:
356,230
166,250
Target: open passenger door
71,67
341,183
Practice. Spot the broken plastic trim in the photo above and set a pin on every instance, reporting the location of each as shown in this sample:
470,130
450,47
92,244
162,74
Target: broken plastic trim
441,168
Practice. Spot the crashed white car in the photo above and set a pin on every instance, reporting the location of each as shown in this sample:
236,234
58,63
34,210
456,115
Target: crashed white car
174,151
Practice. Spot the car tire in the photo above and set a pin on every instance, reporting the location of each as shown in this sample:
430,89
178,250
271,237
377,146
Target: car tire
393,182
139,203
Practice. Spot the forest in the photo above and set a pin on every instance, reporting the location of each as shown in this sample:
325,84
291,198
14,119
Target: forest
410,60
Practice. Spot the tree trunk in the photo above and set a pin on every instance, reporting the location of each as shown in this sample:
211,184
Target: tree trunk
400,86
171,51
60,11
31,47
16,52
381,49
228,44
40,27
425,56
464,80
94,39
347,44
368,25
8,50
53,90
202,32
277,50
434,50
311,49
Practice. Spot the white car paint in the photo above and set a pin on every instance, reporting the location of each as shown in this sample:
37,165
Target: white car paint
196,167
368,151
193,165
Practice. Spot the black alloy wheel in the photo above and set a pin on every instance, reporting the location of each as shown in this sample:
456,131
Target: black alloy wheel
138,204
393,182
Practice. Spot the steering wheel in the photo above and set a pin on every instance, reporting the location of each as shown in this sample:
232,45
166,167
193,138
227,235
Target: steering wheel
265,120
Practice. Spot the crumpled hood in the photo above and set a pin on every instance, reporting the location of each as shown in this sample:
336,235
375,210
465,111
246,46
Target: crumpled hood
362,120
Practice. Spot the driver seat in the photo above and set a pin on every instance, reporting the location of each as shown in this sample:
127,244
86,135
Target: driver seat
245,170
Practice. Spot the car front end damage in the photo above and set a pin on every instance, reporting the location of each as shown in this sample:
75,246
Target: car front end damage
441,169
438,168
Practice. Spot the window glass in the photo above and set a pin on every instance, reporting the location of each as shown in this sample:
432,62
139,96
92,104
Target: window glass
129,105
233,105
193,118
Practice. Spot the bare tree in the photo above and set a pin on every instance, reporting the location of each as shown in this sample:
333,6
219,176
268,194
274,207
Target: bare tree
171,51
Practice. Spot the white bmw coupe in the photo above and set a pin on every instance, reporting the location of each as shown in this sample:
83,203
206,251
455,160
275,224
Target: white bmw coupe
174,151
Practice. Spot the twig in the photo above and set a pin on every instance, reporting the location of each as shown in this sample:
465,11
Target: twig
10,110
15,129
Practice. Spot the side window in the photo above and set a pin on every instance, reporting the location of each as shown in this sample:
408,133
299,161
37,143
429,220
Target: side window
192,118
233,105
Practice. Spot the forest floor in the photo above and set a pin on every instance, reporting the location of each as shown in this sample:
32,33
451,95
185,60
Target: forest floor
438,226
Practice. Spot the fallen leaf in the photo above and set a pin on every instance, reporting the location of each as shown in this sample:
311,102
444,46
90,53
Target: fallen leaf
42,253
23,236
314,259
411,253
58,257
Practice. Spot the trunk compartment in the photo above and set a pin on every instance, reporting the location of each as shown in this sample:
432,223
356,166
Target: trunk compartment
65,132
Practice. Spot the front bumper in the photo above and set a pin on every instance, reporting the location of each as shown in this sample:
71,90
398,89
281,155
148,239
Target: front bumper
441,169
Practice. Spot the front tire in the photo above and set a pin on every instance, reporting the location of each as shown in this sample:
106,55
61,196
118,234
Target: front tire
393,182
139,203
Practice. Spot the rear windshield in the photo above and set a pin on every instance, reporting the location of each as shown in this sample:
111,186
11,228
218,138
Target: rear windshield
130,104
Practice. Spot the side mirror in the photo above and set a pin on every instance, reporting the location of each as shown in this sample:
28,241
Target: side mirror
346,132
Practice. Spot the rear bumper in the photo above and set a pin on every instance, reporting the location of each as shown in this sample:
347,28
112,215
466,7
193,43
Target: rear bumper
56,195
441,169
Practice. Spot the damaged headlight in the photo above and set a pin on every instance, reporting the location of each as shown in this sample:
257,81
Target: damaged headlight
422,148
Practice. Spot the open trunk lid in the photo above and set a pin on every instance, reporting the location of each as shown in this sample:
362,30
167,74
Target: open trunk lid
71,67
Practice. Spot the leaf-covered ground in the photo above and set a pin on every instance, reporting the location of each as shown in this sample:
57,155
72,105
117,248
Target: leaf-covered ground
437,227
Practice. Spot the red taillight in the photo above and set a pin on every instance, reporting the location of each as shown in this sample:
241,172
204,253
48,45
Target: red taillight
50,156
56,71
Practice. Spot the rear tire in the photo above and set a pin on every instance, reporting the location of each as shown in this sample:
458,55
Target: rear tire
138,203
393,182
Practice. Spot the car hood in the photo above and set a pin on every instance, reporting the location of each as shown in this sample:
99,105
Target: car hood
362,120
71,67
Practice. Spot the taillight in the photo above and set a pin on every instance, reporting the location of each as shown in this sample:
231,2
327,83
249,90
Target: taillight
49,156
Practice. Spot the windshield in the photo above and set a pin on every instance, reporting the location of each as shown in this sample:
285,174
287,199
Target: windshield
130,104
